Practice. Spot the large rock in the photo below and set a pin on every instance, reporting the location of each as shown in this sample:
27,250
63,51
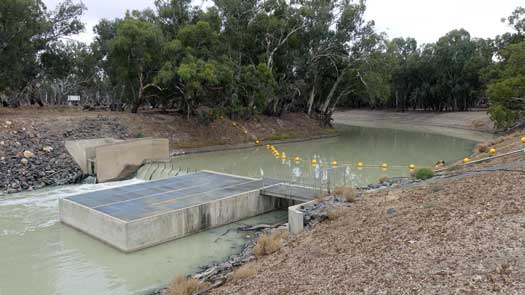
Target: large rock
28,154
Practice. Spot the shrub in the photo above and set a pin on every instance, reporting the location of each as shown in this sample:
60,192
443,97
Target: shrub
269,243
424,174
139,135
346,193
383,179
244,272
186,286
483,148
334,213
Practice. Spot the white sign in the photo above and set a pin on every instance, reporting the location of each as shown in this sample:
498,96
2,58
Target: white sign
73,98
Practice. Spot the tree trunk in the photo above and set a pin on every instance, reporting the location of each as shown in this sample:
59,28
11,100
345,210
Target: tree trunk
311,100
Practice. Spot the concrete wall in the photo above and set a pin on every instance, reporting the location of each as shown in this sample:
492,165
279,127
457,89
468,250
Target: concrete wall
82,150
112,159
158,229
296,217
101,226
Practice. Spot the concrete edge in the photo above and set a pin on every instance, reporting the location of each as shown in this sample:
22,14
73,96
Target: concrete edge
296,217
131,250
83,229
231,175
189,207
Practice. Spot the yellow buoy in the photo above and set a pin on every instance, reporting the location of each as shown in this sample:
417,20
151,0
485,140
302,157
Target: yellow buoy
384,166
466,160
234,124
360,165
297,159
523,139
283,156
245,132
411,166
257,142
268,146
492,151
314,162
334,163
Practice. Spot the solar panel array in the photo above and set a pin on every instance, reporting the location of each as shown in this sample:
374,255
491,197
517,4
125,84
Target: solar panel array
142,200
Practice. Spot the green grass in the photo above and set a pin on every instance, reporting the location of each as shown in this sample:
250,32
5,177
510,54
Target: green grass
424,174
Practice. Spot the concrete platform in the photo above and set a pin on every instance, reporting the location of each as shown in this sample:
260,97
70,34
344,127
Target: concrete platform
138,216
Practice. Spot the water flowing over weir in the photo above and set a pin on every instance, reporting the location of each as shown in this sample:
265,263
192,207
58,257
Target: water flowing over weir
42,256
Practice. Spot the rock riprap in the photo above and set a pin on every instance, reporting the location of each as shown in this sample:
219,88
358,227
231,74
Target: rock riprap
33,154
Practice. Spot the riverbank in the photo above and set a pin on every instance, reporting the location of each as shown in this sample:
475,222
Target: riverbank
33,154
453,234
473,125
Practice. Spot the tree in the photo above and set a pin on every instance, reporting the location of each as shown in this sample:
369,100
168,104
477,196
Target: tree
26,30
134,58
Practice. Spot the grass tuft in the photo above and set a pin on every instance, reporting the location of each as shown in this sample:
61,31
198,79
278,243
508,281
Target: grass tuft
186,286
334,213
383,179
270,243
483,148
346,193
424,174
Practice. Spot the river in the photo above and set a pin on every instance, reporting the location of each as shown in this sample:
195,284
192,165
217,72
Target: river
41,256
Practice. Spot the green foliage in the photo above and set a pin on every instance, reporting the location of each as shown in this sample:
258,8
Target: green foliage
247,57
506,98
27,28
424,173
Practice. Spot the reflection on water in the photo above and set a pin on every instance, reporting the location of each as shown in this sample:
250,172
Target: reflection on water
41,256
372,146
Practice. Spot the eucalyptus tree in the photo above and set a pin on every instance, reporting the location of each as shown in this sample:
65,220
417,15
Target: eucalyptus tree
134,58
27,29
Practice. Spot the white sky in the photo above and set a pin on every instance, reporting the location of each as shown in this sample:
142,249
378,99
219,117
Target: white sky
425,20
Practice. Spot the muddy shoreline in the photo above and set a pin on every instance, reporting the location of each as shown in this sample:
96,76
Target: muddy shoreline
473,125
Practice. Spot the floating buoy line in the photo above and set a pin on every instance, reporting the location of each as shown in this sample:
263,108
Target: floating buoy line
493,153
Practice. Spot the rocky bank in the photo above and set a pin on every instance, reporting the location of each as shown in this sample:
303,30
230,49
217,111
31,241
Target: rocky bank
33,154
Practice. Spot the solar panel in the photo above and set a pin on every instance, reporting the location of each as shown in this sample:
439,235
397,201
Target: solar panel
142,200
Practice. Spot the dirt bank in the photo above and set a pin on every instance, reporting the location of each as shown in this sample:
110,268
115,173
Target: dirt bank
41,133
475,125
455,235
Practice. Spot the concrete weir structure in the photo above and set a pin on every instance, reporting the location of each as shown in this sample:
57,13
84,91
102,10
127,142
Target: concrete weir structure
142,215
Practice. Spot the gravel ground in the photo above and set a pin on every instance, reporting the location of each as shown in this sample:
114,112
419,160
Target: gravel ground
461,236
33,153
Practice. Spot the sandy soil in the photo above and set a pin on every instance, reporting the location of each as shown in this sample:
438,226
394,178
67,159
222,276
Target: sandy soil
475,125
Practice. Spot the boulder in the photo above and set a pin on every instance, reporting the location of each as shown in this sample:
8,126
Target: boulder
28,154
24,161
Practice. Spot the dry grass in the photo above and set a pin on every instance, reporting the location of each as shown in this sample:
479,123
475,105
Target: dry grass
383,179
320,198
270,243
244,272
334,213
185,286
483,148
347,193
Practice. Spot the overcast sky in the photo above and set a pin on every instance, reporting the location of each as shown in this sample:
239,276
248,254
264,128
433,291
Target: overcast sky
425,20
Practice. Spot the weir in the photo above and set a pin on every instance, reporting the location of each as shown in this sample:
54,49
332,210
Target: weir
142,215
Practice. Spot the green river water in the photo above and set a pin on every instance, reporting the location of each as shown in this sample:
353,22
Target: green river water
41,256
